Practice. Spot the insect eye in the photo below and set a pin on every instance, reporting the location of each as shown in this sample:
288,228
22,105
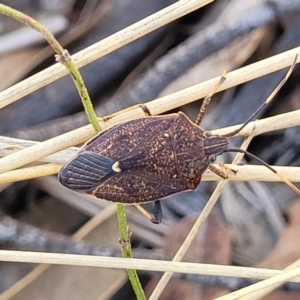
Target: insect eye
207,134
212,158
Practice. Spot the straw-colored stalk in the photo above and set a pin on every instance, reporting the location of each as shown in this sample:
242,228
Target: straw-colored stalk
46,151
102,48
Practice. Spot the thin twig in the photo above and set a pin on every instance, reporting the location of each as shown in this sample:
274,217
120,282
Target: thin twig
157,106
30,173
62,56
138,264
38,151
195,229
236,173
282,278
207,42
36,272
259,293
105,46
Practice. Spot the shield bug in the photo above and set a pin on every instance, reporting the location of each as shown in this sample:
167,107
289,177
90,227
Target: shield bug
151,158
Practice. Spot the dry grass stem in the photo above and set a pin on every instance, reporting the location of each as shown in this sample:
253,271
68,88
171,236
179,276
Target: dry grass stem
35,151
29,173
52,151
105,46
275,280
80,234
46,148
139,264
195,229
80,135
278,122
236,173
259,293
62,56
234,78
11,145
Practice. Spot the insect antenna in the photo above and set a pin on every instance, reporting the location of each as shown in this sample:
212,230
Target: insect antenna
265,104
284,179
261,108
206,100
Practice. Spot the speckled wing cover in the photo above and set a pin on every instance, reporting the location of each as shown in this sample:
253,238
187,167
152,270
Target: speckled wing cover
158,156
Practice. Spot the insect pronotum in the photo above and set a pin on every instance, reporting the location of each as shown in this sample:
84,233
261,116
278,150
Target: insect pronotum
150,158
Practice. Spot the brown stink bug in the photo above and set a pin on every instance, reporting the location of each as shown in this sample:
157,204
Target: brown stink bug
150,158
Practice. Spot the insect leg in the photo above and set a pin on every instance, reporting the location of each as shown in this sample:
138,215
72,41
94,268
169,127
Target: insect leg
146,214
143,107
157,215
219,172
283,178
207,99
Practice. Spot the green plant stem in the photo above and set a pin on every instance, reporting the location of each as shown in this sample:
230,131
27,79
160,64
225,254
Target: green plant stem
62,55
27,20
127,253
84,95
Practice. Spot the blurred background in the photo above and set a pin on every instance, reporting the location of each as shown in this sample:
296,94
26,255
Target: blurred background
254,224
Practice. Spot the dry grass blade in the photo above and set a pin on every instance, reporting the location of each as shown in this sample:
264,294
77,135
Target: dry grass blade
236,173
29,173
158,106
102,48
195,229
48,152
80,234
258,173
46,148
275,280
139,264
259,293
234,78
